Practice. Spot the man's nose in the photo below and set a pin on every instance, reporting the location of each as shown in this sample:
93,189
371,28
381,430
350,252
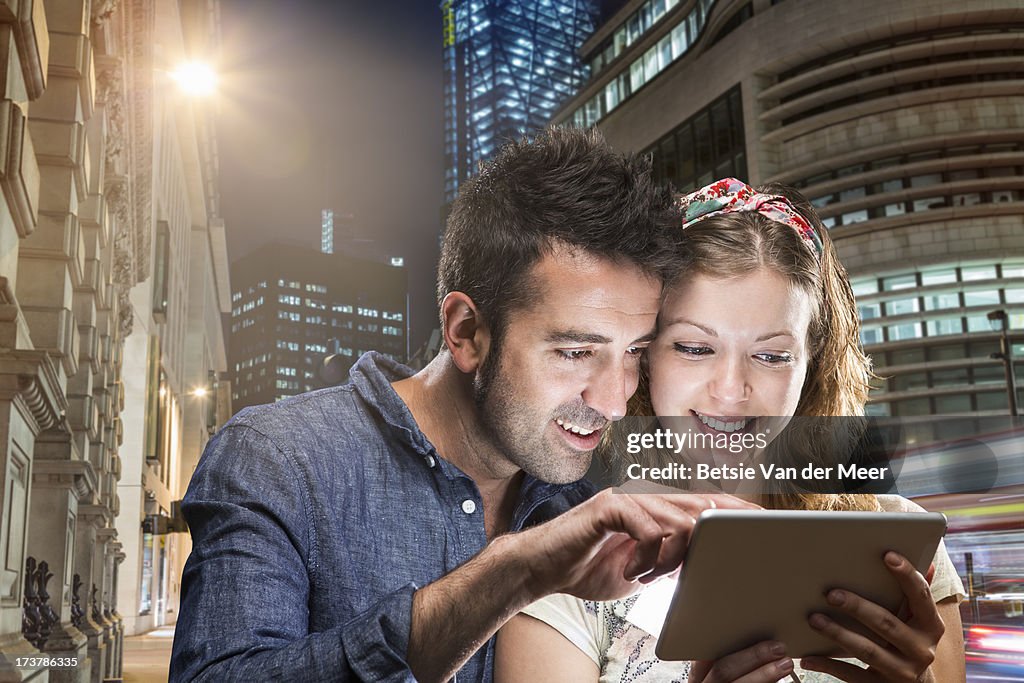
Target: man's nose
609,390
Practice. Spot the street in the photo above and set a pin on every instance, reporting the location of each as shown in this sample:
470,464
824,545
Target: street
146,657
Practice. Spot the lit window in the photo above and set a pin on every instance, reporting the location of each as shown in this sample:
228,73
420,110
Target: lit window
898,282
870,335
978,323
869,311
901,306
906,331
938,328
862,287
938,277
978,272
934,302
986,298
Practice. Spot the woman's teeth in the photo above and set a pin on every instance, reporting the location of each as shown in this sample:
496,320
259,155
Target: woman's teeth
723,425
570,427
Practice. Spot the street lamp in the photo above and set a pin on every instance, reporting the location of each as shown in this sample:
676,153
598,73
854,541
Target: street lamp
207,393
195,78
1006,355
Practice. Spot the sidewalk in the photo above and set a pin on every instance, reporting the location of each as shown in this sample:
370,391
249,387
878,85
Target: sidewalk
147,657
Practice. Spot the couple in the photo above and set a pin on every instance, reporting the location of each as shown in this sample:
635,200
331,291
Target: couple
362,532
760,322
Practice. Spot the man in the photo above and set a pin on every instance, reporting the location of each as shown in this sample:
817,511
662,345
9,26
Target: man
356,533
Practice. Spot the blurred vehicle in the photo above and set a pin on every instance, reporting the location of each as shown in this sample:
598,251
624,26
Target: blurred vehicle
986,543
995,649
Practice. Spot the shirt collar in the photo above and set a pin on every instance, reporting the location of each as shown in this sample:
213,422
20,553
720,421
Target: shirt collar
372,376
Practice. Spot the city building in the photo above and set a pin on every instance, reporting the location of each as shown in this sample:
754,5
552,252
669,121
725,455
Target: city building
293,307
327,231
508,65
106,193
174,357
902,122
338,231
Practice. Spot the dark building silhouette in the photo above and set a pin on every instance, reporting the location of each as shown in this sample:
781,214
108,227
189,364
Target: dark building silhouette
293,308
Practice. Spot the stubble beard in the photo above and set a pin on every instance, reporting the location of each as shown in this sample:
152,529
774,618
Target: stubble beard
511,426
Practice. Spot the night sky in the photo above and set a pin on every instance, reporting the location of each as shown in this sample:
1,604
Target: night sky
334,105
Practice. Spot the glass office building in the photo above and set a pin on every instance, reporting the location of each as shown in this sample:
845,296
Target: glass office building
508,66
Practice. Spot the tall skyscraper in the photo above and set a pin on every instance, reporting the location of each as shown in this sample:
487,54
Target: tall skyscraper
508,65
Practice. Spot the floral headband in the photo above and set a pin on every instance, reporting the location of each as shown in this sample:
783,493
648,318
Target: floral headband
729,195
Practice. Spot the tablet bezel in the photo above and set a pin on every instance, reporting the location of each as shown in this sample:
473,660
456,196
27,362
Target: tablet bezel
780,564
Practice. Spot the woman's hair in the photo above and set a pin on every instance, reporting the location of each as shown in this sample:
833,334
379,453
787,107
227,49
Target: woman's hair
738,243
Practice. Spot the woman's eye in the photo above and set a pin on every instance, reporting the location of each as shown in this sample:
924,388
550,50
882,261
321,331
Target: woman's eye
775,358
693,350
574,354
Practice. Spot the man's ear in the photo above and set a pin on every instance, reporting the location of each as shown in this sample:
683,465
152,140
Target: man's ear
465,333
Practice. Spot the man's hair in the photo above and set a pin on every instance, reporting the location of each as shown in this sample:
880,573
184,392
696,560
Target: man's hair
565,187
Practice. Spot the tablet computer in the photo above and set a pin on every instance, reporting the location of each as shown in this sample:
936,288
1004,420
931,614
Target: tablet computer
758,575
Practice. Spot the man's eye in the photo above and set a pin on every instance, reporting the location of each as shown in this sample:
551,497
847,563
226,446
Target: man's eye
692,350
636,350
575,354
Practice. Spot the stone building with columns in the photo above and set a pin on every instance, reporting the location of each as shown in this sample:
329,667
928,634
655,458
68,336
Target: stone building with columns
113,275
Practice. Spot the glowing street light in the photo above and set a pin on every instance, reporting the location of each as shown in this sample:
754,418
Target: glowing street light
199,392
195,78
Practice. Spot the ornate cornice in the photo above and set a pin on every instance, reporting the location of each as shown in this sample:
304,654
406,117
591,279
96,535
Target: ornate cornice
102,10
125,89
143,28
78,475
118,189
110,92
97,516
126,250
29,376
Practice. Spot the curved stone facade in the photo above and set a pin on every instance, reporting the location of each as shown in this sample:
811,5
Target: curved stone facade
904,124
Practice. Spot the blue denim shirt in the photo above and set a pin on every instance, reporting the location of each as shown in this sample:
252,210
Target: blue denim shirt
313,521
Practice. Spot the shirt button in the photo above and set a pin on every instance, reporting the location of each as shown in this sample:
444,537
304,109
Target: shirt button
430,461
468,506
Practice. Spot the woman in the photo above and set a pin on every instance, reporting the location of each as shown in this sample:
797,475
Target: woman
762,323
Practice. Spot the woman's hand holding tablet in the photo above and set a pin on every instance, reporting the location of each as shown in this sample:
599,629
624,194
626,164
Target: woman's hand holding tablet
755,588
